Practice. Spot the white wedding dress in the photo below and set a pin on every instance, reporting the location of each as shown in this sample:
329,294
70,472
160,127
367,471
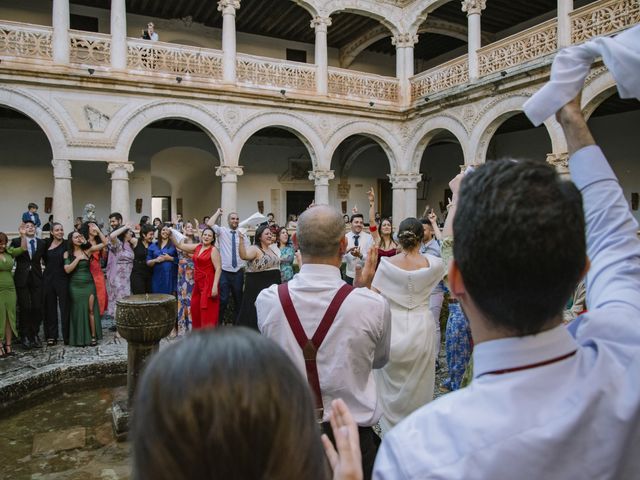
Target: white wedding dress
406,382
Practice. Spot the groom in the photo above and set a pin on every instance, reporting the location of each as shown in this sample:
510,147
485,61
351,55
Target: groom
358,331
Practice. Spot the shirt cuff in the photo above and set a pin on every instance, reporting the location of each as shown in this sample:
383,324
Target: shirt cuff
589,165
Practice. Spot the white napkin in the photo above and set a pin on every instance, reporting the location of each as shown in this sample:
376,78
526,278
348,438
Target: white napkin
177,235
255,219
621,55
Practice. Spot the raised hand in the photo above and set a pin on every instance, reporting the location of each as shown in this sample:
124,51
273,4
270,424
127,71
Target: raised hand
433,218
22,230
371,195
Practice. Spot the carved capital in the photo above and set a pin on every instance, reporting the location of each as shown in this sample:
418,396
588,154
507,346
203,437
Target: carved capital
404,40
405,181
229,173
120,170
320,24
560,162
321,177
228,7
61,169
473,7
464,167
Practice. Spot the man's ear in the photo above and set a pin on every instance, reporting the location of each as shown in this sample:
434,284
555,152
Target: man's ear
343,245
456,283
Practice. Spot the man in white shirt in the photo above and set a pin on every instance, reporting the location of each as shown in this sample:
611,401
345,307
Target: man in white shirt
546,401
232,276
358,244
357,340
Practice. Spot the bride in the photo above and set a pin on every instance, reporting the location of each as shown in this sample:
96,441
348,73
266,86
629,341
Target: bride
406,280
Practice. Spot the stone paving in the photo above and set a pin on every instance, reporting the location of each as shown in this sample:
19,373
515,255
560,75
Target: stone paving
35,370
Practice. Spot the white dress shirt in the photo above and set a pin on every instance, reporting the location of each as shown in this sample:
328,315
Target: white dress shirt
223,238
364,242
577,418
357,342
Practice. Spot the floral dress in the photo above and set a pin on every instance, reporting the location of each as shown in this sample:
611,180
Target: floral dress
185,290
119,267
287,254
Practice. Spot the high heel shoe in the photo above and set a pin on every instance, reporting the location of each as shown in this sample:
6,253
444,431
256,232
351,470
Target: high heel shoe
8,351
94,342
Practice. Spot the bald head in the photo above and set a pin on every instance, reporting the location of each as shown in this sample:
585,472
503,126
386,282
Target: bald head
320,230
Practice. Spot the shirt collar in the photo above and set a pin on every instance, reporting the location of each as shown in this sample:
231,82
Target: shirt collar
513,352
321,270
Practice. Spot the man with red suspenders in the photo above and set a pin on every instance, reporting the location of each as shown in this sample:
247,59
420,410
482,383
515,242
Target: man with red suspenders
334,333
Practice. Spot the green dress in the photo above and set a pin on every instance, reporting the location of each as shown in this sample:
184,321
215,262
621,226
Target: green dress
8,290
81,287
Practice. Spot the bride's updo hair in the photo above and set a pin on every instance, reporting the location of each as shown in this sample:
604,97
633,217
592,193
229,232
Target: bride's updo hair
410,233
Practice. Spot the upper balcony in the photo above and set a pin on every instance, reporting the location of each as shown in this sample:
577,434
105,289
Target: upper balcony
25,46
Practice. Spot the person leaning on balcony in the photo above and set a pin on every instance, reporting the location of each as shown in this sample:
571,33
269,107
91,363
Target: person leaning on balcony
150,33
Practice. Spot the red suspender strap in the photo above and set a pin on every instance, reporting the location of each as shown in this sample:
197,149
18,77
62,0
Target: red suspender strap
310,347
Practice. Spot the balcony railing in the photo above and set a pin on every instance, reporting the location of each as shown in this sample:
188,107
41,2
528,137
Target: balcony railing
530,44
603,18
259,72
454,72
357,85
146,56
90,48
25,41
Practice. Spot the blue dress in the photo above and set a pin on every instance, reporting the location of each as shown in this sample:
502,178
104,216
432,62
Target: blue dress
165,274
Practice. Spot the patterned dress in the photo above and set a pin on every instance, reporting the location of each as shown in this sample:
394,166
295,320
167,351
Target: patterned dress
287,254
261,273
119,267
185,290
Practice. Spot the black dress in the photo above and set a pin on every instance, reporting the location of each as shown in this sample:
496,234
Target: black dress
141,272
261,273
56,292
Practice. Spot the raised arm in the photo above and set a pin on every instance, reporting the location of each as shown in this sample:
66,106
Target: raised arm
181,245
612,243
116,233
214,218
93,228
70,264
373,228
246,253
433,219
454,185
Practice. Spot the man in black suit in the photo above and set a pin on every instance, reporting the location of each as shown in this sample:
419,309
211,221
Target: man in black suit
28,281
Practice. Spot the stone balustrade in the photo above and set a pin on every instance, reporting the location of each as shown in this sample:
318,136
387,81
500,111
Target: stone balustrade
260,72
518,49
93,49
449,74
24,41
146,56
27,43
603,18
358,86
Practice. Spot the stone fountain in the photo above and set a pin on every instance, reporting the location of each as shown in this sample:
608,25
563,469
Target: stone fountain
142,320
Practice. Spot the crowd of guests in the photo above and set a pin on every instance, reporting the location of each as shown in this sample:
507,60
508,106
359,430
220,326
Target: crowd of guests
349,353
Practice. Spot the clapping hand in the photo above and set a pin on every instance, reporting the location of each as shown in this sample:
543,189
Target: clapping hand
346,462
364,276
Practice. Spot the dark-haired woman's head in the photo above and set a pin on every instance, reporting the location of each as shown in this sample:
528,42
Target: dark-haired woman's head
263,237
146,232
386,227
157,222
283,237
76,240
208,236
225,403
410,233
144,220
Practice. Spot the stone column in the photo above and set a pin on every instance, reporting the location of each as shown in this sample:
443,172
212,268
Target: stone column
405,189
120,188
565,7
228,9
229,179
321,181
118,34
474,10
404,63
62,198
561,163
321,25
60,38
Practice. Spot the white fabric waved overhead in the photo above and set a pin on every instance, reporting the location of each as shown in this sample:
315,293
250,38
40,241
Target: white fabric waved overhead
621,55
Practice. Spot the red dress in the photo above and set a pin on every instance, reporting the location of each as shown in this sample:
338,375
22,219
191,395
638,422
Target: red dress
204,309
385,253
98,278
